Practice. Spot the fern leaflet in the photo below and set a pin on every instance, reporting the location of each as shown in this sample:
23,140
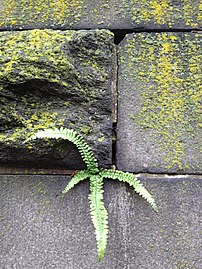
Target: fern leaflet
132,180
80,176
98,213
72,136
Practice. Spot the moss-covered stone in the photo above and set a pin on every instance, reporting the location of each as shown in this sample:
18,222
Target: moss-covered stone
111,14
159,127
166,13
52,78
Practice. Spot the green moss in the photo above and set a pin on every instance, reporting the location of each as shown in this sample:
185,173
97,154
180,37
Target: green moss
22,12
47,202
85,129
31,55
26,55
164,12
100,139
168,70
67,13
34,122
51,78
183,264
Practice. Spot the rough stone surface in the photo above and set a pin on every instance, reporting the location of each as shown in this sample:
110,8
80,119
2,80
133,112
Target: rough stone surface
111,14
52,78
159,124
42,229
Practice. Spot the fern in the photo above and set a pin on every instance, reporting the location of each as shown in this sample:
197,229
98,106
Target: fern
96,176
98,213
72,136
80,176
132,180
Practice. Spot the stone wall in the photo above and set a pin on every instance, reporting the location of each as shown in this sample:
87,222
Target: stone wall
126,75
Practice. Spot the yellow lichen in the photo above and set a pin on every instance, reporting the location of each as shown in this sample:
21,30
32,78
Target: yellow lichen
34,122
22,12
34,54
160,10
189,13
169,67
40,76
35,46
165,12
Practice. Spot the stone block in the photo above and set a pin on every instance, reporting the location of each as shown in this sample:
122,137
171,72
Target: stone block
111,14
159,123
51,78
42,229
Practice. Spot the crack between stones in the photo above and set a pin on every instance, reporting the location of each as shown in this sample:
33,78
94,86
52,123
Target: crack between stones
120,34
38,172
114,105
114,139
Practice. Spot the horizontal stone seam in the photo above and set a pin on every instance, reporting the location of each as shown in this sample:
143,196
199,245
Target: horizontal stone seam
119,35
56,172
169,176
115,31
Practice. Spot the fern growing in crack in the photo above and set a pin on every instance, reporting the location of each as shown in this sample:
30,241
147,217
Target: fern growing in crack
96,176
76,139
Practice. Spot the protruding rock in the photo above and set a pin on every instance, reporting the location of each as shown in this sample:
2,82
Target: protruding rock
49,79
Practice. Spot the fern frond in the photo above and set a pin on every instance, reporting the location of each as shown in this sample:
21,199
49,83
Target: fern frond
72,136
99,213
80,176
132,180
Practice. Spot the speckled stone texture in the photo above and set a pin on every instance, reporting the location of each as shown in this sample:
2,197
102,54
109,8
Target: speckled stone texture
42,229
50,79
111,14
159,124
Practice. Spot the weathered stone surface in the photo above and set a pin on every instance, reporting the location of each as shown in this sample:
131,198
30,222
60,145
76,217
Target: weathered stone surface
42,229
111,14
159,127
52,78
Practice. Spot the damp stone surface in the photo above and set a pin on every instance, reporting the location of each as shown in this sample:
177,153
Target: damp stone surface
49,79
40,228
111,14
159,122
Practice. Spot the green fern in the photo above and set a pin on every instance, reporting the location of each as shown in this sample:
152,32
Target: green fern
76,139
96,176
132,180
78,177
98,213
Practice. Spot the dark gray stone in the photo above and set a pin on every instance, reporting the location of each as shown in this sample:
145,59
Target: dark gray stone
52,78
111,14
43,229
159,125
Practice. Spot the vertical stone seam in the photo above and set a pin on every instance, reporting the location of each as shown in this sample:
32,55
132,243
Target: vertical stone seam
114,84
114,87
